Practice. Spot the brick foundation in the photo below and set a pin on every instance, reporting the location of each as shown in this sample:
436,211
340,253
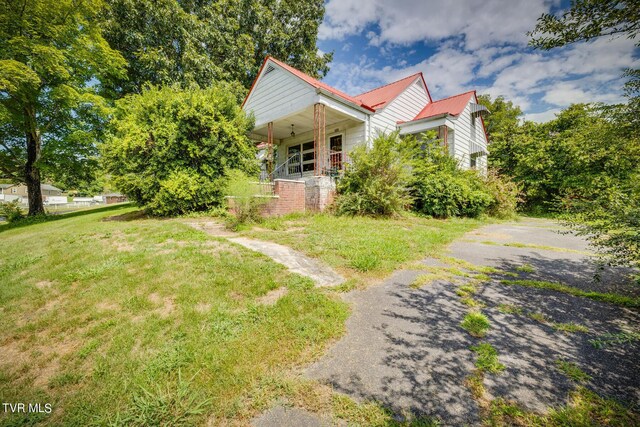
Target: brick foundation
289,197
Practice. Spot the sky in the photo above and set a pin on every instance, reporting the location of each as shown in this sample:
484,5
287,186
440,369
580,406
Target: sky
462,45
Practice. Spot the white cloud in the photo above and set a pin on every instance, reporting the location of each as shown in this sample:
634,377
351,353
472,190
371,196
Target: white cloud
407,21
542,117
478,46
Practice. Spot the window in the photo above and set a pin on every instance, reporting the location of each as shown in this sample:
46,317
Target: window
473,160
301,158
14,191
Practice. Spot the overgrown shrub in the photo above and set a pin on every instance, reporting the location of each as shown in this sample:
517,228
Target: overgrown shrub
611,222
11,211
376,181
245,200
440,188
170,148
505,194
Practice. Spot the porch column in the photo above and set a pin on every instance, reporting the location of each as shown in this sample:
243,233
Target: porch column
270,148
319,140
443,134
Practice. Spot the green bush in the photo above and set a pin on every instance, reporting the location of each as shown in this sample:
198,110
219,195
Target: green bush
505,194
439,187
376,181
11,211
170,149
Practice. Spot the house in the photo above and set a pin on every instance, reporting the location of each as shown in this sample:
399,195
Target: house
309,128
21,190
112,198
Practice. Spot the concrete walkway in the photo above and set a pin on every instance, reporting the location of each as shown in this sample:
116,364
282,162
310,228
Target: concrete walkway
405,348
295,261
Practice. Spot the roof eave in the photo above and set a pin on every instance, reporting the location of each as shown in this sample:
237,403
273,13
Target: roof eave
426,119
362,108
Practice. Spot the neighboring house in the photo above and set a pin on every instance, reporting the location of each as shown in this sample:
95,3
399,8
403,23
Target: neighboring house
114,198
21,190
312,127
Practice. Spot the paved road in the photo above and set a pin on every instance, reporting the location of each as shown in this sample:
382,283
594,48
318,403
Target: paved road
404,347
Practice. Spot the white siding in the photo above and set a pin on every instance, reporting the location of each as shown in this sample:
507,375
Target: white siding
280,89
404,108
465,134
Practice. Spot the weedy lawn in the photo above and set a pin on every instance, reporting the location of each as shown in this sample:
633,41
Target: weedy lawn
146,321
363,249
114,318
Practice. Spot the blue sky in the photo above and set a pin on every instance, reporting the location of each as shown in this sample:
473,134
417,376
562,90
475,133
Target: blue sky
461,45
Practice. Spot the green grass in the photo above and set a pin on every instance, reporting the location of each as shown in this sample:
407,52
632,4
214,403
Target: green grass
487,360
616,299
570,327
584,408
616,338
510,309
526,268
476,324
148,322
363,248
572,371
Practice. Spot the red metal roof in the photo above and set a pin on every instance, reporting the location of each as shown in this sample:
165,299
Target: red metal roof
452,105
381,96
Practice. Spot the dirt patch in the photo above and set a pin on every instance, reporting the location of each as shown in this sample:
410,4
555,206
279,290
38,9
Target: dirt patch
44,284
271,297
167,304
40,361
203,307
129,216
212,228
107,306
236,296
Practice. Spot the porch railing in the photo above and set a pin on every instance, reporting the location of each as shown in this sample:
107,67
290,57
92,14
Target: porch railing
292,167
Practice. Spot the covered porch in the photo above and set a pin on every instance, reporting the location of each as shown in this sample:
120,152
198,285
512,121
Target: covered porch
313,141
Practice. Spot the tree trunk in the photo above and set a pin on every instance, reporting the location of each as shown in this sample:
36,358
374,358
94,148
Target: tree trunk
31,171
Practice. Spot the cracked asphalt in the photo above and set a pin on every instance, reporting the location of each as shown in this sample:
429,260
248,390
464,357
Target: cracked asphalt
405,348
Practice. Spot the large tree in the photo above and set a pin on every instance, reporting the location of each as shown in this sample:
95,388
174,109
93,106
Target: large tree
52,60
189,41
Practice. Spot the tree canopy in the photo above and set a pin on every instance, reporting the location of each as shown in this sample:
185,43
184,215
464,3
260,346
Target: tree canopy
52,60
168,41
586,20
171,149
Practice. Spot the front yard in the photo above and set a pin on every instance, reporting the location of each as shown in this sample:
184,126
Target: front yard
364,249
114,318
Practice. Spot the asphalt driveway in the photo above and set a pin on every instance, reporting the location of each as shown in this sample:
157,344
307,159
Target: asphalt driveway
405,348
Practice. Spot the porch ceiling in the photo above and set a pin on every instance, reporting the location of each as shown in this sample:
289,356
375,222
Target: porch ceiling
302,122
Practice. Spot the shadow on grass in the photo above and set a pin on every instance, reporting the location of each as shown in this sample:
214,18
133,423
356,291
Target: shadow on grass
48,218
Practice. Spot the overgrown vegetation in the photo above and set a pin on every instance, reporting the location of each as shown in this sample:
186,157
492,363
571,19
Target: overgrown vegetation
584,408
245,199
559,287
420,174
171,148
572,371
376,181
11,211
487,358
476,324
363,248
